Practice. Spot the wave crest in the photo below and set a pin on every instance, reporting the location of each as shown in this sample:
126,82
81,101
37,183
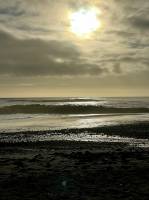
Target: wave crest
68,109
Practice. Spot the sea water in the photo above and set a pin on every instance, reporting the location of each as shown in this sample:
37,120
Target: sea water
20,116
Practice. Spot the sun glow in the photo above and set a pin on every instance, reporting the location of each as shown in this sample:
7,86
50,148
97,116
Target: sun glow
84,22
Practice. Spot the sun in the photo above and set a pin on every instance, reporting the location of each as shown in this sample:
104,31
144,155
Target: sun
84,22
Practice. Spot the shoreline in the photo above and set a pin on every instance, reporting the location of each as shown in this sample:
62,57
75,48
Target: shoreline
136,134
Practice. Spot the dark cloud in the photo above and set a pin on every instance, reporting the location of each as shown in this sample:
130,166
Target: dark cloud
37,57
140,23
11,11
117,68
18,8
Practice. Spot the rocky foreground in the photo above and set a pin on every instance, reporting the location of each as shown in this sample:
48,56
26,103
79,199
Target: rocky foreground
73,170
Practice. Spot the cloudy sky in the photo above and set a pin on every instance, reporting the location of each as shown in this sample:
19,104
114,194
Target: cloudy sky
40,55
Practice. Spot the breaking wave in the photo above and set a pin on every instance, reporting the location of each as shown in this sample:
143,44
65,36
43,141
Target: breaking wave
69,109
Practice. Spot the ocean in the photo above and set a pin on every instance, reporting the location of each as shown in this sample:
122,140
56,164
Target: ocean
77,119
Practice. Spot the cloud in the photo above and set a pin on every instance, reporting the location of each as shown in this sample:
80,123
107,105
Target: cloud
117,68
42,45
39,52
140,23
39,58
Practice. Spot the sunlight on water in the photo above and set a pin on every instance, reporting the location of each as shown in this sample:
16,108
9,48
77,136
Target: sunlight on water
29,122
71,113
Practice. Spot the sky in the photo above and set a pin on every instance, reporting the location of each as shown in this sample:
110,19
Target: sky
41,56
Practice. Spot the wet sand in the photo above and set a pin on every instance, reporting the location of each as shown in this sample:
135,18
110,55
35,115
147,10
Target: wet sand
73,170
